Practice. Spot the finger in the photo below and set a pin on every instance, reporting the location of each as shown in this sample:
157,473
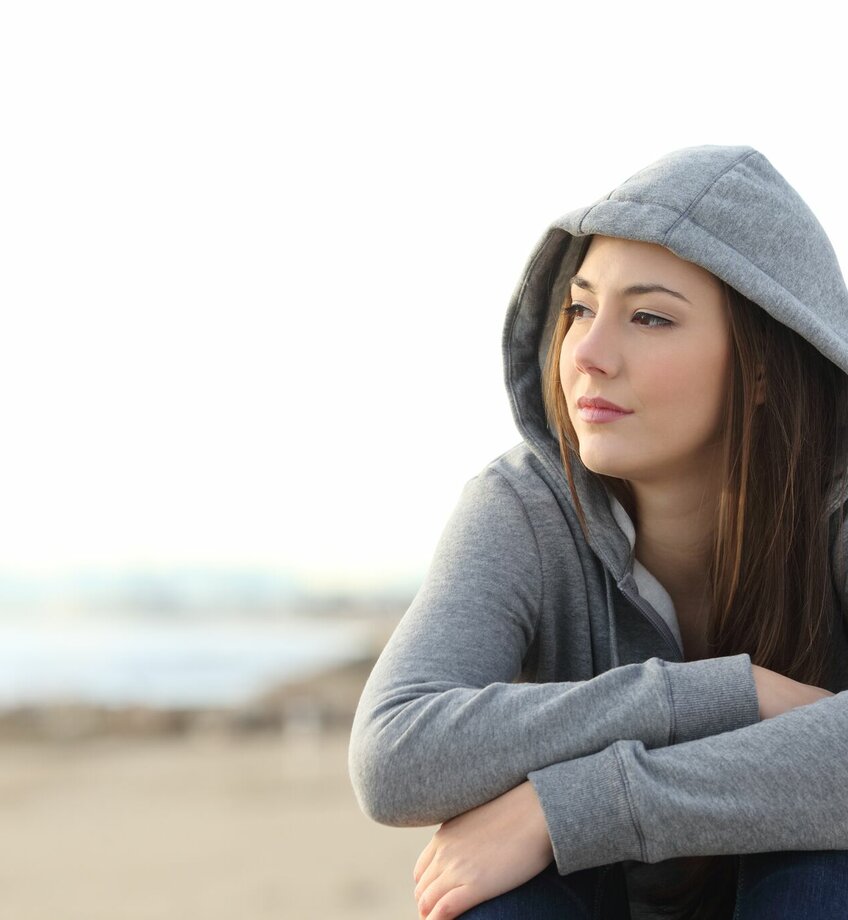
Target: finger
427,877
423,860
433,893
453,903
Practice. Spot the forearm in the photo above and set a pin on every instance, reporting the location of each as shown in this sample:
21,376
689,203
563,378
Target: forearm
423,752
778,784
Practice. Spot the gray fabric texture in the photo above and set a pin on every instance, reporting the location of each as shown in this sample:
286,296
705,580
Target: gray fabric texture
530,653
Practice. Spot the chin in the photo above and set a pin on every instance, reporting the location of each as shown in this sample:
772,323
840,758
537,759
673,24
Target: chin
605,466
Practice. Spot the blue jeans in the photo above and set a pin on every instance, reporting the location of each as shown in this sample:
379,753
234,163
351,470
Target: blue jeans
782,885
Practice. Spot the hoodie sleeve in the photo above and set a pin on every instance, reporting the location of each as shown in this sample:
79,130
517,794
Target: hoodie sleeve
441,725
779,784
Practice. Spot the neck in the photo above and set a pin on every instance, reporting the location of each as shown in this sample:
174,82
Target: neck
674,533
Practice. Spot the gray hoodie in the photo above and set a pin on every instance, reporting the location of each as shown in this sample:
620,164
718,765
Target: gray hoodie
530,653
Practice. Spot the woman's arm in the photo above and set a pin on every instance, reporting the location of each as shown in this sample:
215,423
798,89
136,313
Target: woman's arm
441,727
779,784
503,843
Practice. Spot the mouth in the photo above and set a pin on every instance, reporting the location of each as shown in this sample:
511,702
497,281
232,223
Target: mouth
599,414
598,402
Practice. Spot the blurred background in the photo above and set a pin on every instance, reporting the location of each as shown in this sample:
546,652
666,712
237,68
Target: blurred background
256,259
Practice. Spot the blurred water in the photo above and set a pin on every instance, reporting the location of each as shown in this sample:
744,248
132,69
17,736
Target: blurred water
162,665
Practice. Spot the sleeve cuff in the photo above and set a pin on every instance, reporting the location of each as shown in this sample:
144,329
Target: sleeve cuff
711,696
588,812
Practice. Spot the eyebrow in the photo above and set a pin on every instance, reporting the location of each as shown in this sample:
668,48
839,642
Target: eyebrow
578,281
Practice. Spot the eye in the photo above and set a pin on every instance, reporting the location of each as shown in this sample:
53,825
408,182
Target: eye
654,322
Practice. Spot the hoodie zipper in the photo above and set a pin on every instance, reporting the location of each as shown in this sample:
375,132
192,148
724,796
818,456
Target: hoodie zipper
634,597
653,617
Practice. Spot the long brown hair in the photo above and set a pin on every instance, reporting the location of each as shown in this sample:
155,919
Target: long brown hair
769,567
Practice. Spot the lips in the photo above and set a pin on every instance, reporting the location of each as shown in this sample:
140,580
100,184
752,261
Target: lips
597,402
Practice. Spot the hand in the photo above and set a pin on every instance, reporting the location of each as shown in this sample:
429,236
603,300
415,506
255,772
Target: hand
778,694
482,853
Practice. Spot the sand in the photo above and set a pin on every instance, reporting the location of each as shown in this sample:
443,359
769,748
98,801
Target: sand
212,826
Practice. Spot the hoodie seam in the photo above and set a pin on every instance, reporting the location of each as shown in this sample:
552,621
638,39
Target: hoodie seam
588,211
538,550
705,190
672,721
753,267
703,229
636,201
629,797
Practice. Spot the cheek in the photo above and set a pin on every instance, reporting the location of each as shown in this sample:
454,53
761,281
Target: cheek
690,386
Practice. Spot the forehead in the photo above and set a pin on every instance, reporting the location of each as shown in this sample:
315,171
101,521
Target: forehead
612,261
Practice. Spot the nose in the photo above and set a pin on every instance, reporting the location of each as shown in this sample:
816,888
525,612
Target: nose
595,347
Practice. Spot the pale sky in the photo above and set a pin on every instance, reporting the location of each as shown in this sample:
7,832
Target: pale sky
257,256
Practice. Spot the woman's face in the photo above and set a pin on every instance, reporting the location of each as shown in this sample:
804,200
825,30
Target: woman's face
664,358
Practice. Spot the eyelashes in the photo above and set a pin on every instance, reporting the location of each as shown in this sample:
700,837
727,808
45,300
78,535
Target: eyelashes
656,322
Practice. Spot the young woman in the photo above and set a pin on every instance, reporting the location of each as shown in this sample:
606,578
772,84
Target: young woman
619,689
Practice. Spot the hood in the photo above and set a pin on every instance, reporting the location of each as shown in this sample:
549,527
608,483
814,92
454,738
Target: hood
724,208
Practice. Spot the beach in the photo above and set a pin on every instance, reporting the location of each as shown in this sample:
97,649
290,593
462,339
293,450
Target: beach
203,824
